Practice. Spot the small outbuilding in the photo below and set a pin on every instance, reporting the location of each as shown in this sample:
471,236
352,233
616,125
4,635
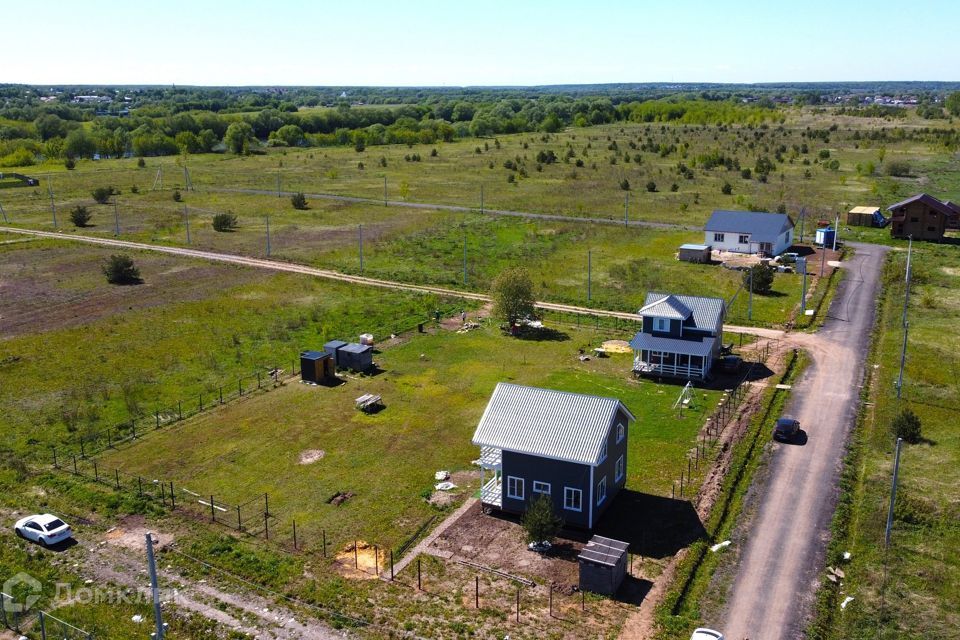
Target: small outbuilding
356,357
317,367
866,217
699,253
333,348
825,236
603,565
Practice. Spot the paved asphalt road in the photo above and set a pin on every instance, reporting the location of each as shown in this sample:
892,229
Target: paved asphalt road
779,568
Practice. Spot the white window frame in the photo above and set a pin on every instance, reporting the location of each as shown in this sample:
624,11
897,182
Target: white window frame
518,482
718,237
568,493
601,490
538,487
661,324
620,469
744,238
604,450
621,432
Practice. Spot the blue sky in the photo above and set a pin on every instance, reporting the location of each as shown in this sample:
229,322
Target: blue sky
483,42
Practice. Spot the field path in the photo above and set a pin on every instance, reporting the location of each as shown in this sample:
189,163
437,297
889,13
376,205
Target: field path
556,217
779,566
289,267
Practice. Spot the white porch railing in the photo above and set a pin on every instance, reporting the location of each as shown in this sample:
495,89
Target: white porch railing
684,371
492,493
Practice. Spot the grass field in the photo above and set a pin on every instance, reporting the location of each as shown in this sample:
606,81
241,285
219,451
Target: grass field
435,388
910,590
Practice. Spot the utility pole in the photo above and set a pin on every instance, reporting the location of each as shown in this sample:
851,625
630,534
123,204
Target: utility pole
186,221
907,278
626,209
268,234
893,493
589,273
823,255
53,206
116,217
157,613
836,232
803,214
750,299
802,267
481,199
464,254
360,237
903,358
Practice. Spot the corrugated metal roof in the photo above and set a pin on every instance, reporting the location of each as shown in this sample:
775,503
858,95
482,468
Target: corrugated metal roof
666,306
695,247
547,423
762,226
606,551
354,347
706,311
314,355
672,345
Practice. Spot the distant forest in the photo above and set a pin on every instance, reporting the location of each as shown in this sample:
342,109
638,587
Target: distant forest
72,122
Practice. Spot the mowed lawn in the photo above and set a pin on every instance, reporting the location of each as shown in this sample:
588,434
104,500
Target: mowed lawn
435,389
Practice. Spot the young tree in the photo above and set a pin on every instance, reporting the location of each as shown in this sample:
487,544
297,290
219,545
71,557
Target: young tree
512,294
120,269
540,522
299,201
224,222
102,194
80,216
762,278
907,426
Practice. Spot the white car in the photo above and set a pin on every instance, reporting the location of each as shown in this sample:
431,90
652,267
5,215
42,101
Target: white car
706,634
45,529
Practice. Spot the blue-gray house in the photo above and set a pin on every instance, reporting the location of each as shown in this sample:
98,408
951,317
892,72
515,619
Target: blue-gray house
680,335
571,447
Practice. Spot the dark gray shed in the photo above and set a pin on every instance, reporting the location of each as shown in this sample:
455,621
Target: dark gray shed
603,565
317,367
333,347
357,357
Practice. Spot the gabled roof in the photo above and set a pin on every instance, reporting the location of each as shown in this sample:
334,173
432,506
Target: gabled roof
551,424
667,306
706,311
762,226
926,199
646,341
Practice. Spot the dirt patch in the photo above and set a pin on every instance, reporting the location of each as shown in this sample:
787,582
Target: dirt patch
339,498
361,561
617,346
130,533
951,271
309,456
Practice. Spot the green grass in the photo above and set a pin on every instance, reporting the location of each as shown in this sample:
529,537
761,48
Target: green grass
909,591
435,389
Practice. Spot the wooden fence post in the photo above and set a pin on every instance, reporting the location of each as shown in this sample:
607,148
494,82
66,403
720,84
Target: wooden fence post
116,476
376,560
551,600
75,472
476,596
518,604
55,465
139,486
419,583
213,516
180,410
356,555
221,394
239,523
295,535
391,565
324,543
173,499
266,525
96,472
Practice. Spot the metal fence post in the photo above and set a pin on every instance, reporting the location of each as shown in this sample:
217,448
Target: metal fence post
295,534
180,410
324,543
139,486
96,472
3,610
240,386
43,625
213,515
173,499
476,593
55,465
221,394
239,523
75,472
391,565
419,583
116,476
376,560
266,525
356,555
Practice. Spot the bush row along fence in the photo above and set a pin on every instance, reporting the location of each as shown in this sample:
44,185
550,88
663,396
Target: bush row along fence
717,422
28,623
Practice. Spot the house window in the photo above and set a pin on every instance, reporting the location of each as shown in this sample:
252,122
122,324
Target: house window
541,487
619,469
661,324
621,432
601,490
718,237
515,487
603,451
572,499
744,238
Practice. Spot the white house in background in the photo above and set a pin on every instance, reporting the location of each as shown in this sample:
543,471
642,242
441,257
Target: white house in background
749,232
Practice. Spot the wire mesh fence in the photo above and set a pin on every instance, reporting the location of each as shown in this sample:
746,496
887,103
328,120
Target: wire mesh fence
18,617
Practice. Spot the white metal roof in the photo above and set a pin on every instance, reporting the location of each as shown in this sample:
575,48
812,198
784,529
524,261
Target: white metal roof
551,424
666,306
707,312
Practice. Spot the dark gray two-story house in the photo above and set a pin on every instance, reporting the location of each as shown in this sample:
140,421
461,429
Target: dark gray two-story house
680,337
571,447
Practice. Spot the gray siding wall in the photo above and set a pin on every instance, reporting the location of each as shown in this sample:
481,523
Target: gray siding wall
674,328
558,473
607,468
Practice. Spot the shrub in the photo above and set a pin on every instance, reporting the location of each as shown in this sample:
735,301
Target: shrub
120,269
674,187
907,426
141,163
134,189
70,164
745,173
651,186
299,201
762,278
625,184
224,222
80,216
726,189
897,168
176,195
540,522
102,194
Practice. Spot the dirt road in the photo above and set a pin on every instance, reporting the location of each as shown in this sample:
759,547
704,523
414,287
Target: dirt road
289,267
777,576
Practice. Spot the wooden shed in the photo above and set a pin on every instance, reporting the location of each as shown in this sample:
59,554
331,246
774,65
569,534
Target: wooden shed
317,367
603,565
699,253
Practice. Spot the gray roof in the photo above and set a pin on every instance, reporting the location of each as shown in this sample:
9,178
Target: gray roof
355,347
643,341
551,424
606,551
707,312
762,226
667,306
695,247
